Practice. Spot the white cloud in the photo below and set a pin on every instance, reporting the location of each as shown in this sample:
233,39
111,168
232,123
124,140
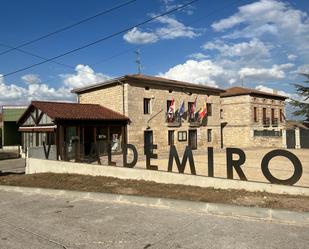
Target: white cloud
84,76
138,37
260,74
171,4
171,29
271,90
252,48
13,94
198,56
291,57
174,29
286,24
303,69
31,79
201,72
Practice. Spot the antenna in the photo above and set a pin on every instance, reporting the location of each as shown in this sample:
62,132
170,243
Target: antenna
138,61
242,82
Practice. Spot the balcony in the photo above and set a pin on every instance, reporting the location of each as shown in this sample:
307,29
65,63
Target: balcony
193,120
172,120
274,122
266,122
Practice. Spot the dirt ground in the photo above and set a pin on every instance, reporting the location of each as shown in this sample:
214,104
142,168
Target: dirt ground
152,189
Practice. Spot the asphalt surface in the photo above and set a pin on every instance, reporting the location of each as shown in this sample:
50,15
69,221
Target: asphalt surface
13,165
45,221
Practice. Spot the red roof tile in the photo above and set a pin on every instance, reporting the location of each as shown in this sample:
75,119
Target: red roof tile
236,91
75,111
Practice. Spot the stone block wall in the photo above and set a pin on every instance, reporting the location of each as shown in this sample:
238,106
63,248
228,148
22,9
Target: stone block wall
155,121
110,97
238,114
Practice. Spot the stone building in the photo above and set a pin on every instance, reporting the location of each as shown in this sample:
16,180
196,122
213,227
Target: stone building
146,100
252,118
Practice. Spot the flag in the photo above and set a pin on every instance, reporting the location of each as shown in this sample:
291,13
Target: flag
181,109
193,106
171,108
203,110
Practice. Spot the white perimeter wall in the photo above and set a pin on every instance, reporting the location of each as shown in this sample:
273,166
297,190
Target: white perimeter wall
49,166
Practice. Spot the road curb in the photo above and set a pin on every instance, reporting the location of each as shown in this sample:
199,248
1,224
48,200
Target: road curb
266,214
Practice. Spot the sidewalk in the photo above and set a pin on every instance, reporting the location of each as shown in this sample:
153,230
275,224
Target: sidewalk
265,214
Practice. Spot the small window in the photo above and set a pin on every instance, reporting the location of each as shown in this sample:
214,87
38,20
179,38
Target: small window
255,114
171,138
209,138
146,106
209,109
221,113
182,136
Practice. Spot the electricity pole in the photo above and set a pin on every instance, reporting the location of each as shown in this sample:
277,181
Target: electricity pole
138,61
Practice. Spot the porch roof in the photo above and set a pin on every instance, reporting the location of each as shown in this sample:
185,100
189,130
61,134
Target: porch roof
73,111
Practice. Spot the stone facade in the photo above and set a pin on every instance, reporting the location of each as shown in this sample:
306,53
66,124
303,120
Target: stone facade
243,128
128,99
110,97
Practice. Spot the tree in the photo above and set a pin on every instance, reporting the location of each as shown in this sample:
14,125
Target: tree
302,105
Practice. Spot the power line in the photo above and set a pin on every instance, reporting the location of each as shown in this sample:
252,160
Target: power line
102,39
123,52
69,26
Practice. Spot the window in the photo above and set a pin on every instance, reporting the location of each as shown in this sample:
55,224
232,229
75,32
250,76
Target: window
190,107
221,113
193,139
146,106
255,114
168,104
281,115
209,135
272,114
264,113
209,109
182,136
170,137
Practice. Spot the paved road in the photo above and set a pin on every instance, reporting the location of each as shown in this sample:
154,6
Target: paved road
42,221
12,165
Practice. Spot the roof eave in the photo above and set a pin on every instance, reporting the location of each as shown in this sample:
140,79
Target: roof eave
104,83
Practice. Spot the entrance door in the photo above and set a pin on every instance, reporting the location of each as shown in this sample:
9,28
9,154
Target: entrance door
290,139
148,140
304,138
88,139
193,139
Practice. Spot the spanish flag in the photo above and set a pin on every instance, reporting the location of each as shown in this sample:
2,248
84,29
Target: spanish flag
203,111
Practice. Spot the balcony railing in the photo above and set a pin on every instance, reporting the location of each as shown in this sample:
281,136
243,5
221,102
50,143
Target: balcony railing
172,120
266,122
274,122
193,120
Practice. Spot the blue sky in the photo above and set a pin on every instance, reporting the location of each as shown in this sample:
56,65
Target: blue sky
264,44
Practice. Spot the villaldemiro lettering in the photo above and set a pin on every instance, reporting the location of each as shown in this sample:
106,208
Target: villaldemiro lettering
231,164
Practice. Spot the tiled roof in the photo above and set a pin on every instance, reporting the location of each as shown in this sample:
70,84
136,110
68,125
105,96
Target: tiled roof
151,80
236,91
75,111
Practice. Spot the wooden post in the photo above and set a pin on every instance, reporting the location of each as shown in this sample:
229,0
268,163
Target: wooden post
77,150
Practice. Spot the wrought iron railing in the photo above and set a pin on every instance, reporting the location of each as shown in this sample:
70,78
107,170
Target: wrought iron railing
266,122
172,120
274,122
